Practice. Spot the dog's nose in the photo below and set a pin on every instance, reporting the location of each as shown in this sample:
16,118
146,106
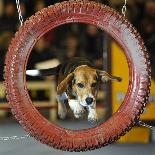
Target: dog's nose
89,100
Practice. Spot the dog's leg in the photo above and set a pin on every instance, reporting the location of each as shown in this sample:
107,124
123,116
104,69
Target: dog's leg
62,110
75,106
92,114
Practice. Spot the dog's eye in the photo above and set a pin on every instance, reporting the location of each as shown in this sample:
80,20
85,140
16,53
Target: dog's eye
80,85
94,85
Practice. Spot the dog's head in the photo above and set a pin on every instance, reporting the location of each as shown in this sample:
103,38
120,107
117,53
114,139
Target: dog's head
85,83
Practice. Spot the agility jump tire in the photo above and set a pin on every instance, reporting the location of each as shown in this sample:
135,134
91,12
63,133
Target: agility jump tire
121,31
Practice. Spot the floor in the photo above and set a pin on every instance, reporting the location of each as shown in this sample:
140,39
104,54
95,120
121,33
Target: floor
30,146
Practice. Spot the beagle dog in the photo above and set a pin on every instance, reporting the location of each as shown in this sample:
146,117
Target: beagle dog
78,83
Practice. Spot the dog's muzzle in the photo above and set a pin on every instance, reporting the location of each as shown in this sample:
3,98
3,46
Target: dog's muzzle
89,100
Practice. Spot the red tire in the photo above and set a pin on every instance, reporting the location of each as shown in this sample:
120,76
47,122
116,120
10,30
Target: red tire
116,26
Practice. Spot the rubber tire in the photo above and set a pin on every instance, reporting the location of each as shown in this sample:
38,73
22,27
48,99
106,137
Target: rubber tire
116,26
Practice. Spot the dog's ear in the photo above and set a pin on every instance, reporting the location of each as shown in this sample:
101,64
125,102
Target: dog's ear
61,88
105,77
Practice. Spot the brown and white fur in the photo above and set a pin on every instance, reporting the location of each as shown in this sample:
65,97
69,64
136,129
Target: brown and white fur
78,83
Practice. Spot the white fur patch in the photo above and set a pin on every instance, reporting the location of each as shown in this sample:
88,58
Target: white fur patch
83,103
76,108
73,104
32,72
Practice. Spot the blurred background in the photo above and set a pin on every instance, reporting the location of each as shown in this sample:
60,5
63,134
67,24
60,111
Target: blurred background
62,44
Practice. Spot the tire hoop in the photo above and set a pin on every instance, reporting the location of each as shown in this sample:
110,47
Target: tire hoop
116,26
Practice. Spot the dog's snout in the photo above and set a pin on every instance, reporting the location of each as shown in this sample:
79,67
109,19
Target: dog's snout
89,100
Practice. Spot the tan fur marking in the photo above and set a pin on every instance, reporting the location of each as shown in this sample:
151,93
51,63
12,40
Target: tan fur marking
86,76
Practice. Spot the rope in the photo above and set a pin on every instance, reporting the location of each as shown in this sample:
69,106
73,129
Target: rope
19,12
124,8
141,123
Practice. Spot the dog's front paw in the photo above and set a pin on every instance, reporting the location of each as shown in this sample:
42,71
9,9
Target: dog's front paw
77,109
78,112
92,117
